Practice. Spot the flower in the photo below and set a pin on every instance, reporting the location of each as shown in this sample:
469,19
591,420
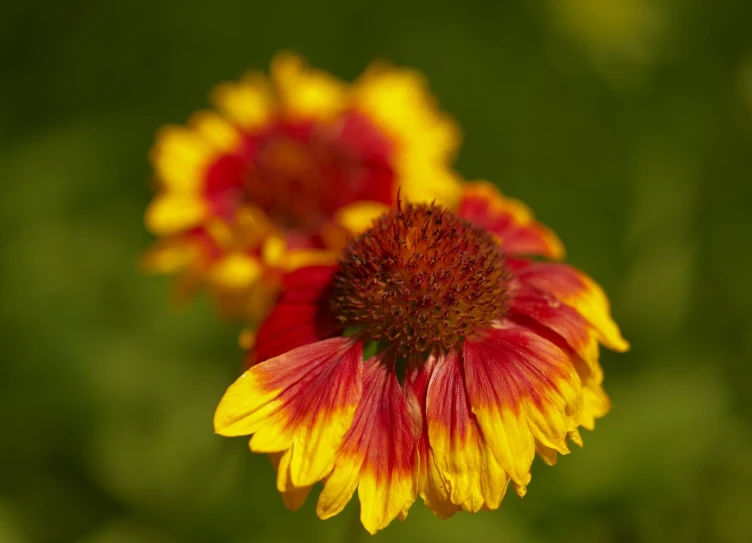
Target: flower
285,169
434,360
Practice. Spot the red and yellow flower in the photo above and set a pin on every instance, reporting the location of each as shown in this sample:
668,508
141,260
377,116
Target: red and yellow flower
285,168
434,360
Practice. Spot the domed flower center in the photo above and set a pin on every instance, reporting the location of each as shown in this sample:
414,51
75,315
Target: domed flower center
421,280
300,173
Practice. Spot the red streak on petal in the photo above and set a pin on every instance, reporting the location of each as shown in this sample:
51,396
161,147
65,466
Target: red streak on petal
384,431
528,303
316,379
578,291
302,315
378,451
530,238
561,280
512,362
447,399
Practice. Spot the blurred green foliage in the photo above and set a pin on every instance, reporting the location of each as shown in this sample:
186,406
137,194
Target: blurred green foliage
625,124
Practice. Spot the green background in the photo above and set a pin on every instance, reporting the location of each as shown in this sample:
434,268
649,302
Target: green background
625,124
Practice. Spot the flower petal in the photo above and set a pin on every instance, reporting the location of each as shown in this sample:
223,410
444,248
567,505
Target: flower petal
577,290
294,259
236,270
180,156
472,475
429,482
306,285
377,454
303,400
174,212
529,304
510,219
521,387
571,331
216,131
292,496
248,104
595,404
398,100
595,401
425,140
305,92
429,182
301,316
359,216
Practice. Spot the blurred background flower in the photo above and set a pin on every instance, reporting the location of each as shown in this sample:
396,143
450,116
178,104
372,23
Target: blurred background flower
107,392
287,167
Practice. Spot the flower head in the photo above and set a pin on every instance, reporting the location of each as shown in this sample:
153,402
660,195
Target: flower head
286,169
434,360
421,281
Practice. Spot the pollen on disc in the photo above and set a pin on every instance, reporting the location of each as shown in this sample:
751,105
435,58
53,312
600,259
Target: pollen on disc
421,279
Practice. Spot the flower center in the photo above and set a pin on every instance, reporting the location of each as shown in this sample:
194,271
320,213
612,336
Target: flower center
300,173
420,280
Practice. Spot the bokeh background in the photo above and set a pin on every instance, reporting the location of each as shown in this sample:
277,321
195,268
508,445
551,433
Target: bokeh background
625,124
